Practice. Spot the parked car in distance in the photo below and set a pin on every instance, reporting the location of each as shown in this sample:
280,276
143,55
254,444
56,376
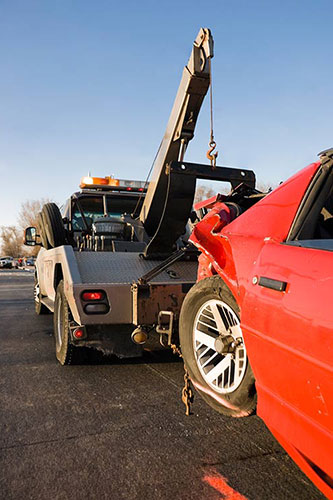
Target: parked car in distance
8,263
30,261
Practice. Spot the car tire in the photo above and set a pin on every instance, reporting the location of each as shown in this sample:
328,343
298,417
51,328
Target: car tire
53,225
39,307
66,352
41,232
224,380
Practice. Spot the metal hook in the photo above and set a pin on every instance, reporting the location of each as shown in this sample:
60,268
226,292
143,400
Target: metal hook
210,155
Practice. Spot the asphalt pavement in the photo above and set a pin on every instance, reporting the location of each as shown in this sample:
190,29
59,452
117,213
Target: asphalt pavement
114,429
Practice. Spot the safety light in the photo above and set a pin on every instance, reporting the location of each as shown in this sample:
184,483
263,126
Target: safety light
109,182
88,296
87,182
78,333
95,302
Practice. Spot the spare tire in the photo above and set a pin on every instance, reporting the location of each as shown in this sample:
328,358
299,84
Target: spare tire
41,231
53,225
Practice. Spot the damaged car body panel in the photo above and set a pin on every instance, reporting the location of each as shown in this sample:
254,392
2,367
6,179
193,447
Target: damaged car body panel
276,259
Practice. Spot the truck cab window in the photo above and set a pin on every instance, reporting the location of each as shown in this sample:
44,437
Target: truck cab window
92,208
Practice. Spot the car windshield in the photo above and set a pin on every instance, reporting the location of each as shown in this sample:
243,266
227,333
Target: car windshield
92,208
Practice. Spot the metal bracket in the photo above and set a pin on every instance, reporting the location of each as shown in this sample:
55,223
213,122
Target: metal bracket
165,326
326,157
232,175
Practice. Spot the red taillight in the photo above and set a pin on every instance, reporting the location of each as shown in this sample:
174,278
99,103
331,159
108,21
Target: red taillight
128,189
78,333
95,302
140,189
87,296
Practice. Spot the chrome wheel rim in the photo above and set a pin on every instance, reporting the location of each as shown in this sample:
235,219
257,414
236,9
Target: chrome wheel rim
59,326
222,372
36,292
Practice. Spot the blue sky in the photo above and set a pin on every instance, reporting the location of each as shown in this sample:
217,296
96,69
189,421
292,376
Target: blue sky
89,85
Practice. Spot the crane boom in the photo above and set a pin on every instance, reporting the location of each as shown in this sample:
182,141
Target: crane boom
169,199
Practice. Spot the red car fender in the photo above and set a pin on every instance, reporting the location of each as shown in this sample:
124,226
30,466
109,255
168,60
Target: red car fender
216,251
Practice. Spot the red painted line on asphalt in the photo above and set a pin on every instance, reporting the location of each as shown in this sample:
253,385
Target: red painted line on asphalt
220,484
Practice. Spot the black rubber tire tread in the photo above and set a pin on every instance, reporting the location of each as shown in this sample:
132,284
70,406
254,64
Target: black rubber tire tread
41,232
53,224
244,398
66,353
39,307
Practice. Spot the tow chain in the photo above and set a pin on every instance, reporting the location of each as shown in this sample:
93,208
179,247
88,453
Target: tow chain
212,144
187,392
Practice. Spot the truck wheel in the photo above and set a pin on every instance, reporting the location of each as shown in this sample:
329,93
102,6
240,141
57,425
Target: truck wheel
39,307
66,352
213,348
41,232
53,225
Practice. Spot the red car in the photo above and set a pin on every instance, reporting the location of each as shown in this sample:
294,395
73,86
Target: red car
258,325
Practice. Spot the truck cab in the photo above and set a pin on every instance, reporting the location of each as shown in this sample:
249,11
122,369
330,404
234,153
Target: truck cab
102,215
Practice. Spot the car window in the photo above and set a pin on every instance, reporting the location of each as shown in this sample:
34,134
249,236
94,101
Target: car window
315,224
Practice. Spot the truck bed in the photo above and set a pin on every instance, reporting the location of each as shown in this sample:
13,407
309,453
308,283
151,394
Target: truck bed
128,267
118,274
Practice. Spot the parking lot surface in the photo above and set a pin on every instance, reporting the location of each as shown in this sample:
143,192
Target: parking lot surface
117,429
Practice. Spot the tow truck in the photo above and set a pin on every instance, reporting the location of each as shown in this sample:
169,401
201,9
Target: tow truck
116,264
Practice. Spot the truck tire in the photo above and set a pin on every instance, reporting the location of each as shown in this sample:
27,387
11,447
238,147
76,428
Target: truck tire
39,307
219,369
66,352
41,232
53,225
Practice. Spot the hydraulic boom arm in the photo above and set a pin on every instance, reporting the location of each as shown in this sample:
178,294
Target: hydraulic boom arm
169,199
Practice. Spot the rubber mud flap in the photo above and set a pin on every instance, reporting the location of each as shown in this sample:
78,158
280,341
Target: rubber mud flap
114,340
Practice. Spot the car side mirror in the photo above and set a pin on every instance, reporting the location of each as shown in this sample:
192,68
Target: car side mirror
30,236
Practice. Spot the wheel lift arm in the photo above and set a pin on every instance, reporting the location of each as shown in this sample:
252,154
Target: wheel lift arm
169,199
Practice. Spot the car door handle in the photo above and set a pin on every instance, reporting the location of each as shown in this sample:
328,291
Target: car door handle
277,285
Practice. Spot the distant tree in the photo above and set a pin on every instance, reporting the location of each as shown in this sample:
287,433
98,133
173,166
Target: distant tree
29,211
28,217
11,241
203,193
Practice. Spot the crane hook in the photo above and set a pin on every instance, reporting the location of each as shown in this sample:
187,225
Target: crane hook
210,155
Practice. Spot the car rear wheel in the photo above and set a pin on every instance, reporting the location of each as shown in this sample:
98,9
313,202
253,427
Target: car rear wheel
213,348
66,352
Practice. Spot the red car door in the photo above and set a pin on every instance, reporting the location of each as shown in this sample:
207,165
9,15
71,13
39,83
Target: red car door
287,321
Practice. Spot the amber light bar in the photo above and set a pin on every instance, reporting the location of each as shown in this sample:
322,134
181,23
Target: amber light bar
98,181
110,182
